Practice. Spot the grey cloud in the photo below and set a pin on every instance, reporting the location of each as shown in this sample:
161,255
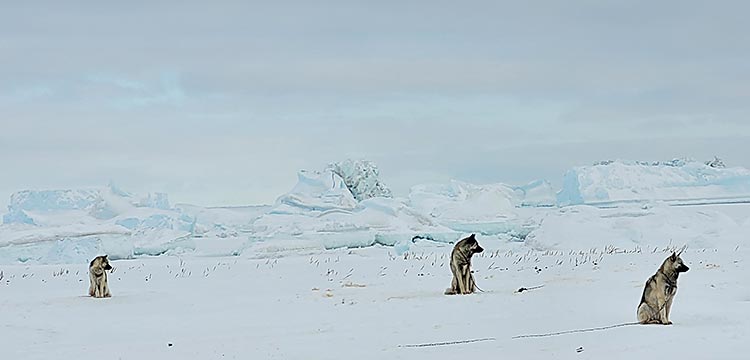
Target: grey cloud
224,102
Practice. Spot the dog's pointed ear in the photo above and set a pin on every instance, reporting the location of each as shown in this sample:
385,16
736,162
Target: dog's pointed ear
674,256
473,236
105,256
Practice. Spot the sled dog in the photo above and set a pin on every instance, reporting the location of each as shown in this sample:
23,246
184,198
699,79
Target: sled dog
463,279
98,276
660,290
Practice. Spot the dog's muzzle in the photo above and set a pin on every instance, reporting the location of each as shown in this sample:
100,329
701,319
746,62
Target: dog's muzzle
108,267
479,249
683,268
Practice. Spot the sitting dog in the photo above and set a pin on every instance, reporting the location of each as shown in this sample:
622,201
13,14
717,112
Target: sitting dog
463,279
98,276
660,290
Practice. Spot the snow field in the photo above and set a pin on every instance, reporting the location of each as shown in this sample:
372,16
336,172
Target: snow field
365,303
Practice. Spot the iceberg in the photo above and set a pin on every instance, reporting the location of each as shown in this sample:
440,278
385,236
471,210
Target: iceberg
347,205
321,209
362,178
491,209
23,202
65,225
673,181
316,192
637,225
538,193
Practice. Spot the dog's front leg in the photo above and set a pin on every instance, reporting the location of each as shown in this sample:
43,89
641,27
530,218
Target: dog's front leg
101,287
667,309
456,280
453,290
105,285
92,285
662,309
466,272
461,279
663,317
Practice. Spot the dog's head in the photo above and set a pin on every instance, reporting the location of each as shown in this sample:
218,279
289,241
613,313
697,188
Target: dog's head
473,245
105,263
676,263
102,261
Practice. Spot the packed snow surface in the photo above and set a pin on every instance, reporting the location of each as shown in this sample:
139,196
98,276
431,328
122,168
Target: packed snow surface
372,304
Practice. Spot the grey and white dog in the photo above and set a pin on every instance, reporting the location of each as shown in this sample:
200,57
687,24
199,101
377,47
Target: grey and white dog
98,276
463,279
660,290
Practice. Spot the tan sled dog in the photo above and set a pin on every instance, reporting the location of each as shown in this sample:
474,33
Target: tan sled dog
660,291
98,276
463,279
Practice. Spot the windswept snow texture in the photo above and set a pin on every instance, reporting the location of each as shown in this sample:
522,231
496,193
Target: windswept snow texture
679,180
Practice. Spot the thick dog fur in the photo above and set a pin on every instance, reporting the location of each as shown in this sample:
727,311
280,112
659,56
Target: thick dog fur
463,279
98,276
660,290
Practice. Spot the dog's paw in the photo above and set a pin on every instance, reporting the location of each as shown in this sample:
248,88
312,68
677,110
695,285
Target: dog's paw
668,323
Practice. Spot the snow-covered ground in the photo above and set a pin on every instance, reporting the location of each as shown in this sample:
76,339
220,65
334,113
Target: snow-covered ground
370,303
338,267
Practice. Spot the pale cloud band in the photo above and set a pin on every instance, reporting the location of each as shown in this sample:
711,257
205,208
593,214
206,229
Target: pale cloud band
222,103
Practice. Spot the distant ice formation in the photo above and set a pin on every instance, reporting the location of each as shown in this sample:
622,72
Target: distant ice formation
677,180
347,204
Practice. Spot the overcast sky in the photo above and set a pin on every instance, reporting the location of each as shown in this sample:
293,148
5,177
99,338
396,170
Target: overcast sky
223,102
